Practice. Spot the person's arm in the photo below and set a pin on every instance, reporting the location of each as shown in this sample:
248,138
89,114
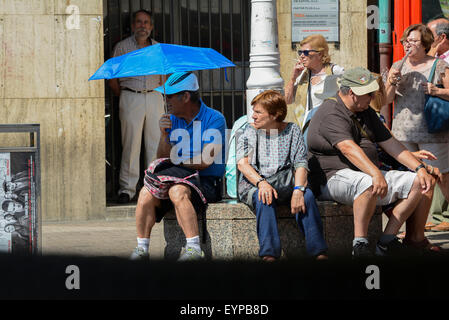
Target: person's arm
297,202
290,88
115,86
397,150
385,111
442,93
393,79
266,191
359,159
164,146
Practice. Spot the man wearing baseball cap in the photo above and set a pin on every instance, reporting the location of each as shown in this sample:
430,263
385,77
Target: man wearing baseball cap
344,166
192,136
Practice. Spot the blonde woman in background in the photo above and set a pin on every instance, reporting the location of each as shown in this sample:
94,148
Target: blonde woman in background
313,66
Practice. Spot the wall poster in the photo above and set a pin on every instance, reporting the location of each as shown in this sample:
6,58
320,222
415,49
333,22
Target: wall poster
18,210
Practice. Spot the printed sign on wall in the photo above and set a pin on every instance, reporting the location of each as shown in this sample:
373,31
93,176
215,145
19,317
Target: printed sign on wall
313,17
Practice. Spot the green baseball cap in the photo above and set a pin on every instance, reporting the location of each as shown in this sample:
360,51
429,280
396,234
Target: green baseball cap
360,80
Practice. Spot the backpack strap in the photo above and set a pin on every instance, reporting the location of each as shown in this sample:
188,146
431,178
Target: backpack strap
432,71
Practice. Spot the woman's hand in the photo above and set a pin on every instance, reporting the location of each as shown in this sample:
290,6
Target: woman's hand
266,193
297,203
394,77
430,88
297,69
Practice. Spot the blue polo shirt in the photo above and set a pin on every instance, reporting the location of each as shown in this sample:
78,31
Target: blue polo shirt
188,139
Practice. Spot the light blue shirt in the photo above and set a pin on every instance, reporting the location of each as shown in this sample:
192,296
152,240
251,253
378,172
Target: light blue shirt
188,139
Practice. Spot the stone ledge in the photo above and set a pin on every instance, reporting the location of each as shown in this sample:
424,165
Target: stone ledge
231,231
234,210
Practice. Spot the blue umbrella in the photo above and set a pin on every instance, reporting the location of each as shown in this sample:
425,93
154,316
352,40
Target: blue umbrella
161,58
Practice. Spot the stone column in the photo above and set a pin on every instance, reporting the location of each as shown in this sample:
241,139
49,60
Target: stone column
264,54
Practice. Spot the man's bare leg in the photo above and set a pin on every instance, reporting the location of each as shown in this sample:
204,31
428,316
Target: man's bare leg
364,207
416,222
180,195
146,213
185,212
145,220
404,209
444,185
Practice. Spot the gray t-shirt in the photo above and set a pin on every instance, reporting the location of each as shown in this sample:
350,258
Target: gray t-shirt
333,123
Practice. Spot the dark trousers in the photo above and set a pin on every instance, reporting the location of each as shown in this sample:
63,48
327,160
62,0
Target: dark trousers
309,223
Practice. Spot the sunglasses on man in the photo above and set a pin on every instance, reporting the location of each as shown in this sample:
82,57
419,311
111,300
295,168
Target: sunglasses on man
306,52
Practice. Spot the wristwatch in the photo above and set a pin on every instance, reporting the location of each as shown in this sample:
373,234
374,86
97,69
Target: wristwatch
260,180
300,188
421,166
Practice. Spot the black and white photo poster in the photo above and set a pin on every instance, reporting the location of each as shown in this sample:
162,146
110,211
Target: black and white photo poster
18,216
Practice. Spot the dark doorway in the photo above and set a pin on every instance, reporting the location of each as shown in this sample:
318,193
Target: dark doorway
223,25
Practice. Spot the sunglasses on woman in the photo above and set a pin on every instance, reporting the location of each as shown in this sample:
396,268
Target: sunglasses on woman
306,52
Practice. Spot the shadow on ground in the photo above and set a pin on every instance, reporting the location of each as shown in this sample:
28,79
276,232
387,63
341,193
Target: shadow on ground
51,277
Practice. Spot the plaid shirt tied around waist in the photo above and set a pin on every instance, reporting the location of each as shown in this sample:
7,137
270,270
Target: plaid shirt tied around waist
159,184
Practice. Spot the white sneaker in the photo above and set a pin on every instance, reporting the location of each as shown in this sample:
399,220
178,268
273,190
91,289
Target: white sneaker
139,253
190,254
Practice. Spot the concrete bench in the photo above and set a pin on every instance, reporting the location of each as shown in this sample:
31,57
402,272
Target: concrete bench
231,231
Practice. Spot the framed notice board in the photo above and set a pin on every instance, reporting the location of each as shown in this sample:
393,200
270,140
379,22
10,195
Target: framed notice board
20,207
315,17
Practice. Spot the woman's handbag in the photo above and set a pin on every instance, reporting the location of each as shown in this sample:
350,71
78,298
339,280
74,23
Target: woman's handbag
436,110
283,180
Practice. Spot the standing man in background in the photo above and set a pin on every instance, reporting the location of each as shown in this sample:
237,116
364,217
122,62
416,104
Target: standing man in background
140,108
439,45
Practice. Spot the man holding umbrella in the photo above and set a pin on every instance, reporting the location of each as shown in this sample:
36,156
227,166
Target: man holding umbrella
191,161
140,107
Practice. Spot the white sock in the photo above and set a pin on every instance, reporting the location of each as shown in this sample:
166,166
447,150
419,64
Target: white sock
194,243
143,243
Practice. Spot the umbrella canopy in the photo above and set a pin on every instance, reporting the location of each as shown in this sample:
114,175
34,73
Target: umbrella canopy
161,58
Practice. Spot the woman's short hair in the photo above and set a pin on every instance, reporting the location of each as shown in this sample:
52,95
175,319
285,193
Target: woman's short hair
426,35
273,102
319,43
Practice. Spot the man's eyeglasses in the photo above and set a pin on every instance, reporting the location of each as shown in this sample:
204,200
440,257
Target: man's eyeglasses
306,52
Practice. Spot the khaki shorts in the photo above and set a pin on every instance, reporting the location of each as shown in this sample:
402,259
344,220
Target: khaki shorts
346,185
440,150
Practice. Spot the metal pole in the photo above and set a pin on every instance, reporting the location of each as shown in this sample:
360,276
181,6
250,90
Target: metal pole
385,48
264,56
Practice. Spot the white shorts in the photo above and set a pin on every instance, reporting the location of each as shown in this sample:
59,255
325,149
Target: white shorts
440,150
346,185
